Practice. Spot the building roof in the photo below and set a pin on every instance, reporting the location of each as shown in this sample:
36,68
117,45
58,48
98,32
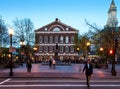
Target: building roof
56,23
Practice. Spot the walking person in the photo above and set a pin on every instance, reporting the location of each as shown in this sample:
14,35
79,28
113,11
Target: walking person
29,66
50,62
88,68
53,63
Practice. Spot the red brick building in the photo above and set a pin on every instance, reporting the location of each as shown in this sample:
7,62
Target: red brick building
54,33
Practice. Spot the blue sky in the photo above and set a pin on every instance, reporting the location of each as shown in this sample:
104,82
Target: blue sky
70,12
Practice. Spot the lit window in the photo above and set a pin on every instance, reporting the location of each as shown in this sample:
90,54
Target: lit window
56,39
67,39
72,39
61,39
51,39
40,39
46,39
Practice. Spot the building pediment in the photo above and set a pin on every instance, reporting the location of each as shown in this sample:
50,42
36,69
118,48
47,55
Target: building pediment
56,26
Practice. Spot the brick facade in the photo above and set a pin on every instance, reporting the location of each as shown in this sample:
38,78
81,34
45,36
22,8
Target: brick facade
54,33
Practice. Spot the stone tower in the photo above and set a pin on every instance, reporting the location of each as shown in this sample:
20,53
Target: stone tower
112,17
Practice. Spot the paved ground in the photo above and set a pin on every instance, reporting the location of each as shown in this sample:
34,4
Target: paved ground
57,83
64,71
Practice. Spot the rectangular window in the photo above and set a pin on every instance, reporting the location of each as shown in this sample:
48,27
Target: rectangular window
40,39
40,49
51,49
66,49
71,49
61,48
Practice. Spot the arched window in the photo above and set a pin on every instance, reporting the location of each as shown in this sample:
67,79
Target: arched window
72,39
61,39
46,39
71,49
40,49
51,49
56,29
61,48
45,48
51,39
66,39
56,39
66,49
40,39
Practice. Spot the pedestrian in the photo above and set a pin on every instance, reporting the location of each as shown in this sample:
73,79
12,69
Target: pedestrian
50,62
53,63
29,66
88,68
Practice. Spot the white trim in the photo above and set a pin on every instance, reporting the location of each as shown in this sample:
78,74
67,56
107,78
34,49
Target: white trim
48,32
49,44
56,26
59,54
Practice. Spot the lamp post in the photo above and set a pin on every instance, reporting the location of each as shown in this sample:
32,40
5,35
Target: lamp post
115,36
101,50
35,49
78,49
113,71
88,48
11,63
22,43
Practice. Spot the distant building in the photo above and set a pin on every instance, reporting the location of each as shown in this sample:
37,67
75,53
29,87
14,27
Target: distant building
112,16
56,33
112,24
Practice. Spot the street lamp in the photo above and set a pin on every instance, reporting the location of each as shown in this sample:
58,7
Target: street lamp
88,48
35,49
88,44
11,63
101,49
78,49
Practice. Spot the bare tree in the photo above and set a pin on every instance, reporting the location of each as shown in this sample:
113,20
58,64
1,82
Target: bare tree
3,35
103,37
24,31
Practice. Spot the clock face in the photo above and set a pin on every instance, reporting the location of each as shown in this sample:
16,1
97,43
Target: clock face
56,29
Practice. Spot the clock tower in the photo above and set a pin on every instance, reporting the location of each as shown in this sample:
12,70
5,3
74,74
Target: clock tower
112,19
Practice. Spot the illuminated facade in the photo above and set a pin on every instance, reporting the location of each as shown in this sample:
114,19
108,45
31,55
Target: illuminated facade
54,33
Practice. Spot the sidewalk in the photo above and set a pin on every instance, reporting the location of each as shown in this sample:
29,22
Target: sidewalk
43,71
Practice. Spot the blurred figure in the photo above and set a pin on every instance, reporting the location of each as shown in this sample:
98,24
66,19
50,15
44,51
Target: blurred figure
53,63
29,66
50,62
88,68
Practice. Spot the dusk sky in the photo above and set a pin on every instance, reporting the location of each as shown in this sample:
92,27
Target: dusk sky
70,12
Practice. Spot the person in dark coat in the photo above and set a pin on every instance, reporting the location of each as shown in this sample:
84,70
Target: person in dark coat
50,62
88,68
29,66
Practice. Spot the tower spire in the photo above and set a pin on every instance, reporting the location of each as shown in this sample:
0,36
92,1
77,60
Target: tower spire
112,18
